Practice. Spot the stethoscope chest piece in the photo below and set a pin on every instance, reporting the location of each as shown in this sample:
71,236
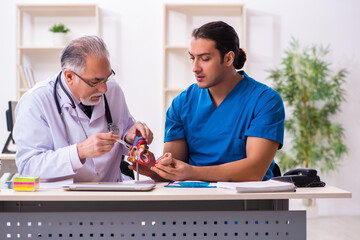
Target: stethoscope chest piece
112,127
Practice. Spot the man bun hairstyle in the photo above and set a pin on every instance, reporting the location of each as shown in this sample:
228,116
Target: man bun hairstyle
225,38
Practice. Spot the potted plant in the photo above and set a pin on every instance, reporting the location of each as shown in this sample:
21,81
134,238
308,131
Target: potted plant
59,34
312,95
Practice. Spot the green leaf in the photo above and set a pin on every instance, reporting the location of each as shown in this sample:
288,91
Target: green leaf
59,28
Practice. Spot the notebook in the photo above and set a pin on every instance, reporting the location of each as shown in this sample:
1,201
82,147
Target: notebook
258,186
99,186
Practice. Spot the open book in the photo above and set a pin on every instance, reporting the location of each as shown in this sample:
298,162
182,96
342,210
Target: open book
258,186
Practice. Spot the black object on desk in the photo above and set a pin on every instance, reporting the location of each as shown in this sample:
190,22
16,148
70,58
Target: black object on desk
302,177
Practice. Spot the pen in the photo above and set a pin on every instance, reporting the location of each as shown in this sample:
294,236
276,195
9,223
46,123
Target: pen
123,143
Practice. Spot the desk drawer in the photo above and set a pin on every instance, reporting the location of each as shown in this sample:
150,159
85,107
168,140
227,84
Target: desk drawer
154,225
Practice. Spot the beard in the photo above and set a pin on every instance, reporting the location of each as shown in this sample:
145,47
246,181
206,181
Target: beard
89,102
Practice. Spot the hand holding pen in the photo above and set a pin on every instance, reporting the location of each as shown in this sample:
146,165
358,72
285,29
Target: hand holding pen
96,145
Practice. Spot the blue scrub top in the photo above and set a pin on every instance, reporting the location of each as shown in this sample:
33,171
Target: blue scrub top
218,135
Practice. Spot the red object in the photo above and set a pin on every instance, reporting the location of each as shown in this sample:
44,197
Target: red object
140,154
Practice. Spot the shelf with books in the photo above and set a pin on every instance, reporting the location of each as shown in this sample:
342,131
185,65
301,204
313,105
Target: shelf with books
27,77
36,50
41,63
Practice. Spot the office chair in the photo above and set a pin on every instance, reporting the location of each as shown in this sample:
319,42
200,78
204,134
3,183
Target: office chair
125,170
276,170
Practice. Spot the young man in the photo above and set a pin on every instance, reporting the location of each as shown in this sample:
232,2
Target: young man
68,125
228,126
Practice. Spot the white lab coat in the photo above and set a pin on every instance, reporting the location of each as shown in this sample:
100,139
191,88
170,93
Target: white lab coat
42,142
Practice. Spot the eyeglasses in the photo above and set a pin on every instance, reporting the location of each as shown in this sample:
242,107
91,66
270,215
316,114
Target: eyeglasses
96,81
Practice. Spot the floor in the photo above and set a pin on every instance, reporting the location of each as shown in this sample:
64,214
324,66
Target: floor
333,228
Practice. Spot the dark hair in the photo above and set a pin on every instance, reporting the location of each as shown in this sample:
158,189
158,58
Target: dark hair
74,55
225,38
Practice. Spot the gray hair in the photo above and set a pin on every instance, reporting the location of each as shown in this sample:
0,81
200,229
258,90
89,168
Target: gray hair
74,55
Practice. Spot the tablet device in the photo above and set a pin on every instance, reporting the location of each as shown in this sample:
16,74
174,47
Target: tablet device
108,187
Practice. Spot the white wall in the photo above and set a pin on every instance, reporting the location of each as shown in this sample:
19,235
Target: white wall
133,32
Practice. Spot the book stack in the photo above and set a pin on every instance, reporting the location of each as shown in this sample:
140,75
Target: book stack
27,77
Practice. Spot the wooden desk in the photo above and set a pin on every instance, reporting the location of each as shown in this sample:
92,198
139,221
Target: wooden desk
163,213
7,156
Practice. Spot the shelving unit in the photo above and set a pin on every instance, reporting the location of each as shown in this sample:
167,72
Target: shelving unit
35,48
180,20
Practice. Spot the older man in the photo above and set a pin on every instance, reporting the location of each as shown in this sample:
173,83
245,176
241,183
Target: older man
68,126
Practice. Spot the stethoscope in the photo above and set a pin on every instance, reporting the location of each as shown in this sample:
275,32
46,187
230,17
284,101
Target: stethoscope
110,125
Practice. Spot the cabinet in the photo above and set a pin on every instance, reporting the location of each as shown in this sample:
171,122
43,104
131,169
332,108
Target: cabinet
36,49
180,20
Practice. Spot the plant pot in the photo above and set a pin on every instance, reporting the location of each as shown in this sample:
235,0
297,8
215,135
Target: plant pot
59,39
311,207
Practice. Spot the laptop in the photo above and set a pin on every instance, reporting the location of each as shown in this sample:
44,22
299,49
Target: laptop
103,186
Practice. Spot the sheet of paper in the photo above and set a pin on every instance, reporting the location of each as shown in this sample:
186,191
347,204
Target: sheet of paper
258,186
56,184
